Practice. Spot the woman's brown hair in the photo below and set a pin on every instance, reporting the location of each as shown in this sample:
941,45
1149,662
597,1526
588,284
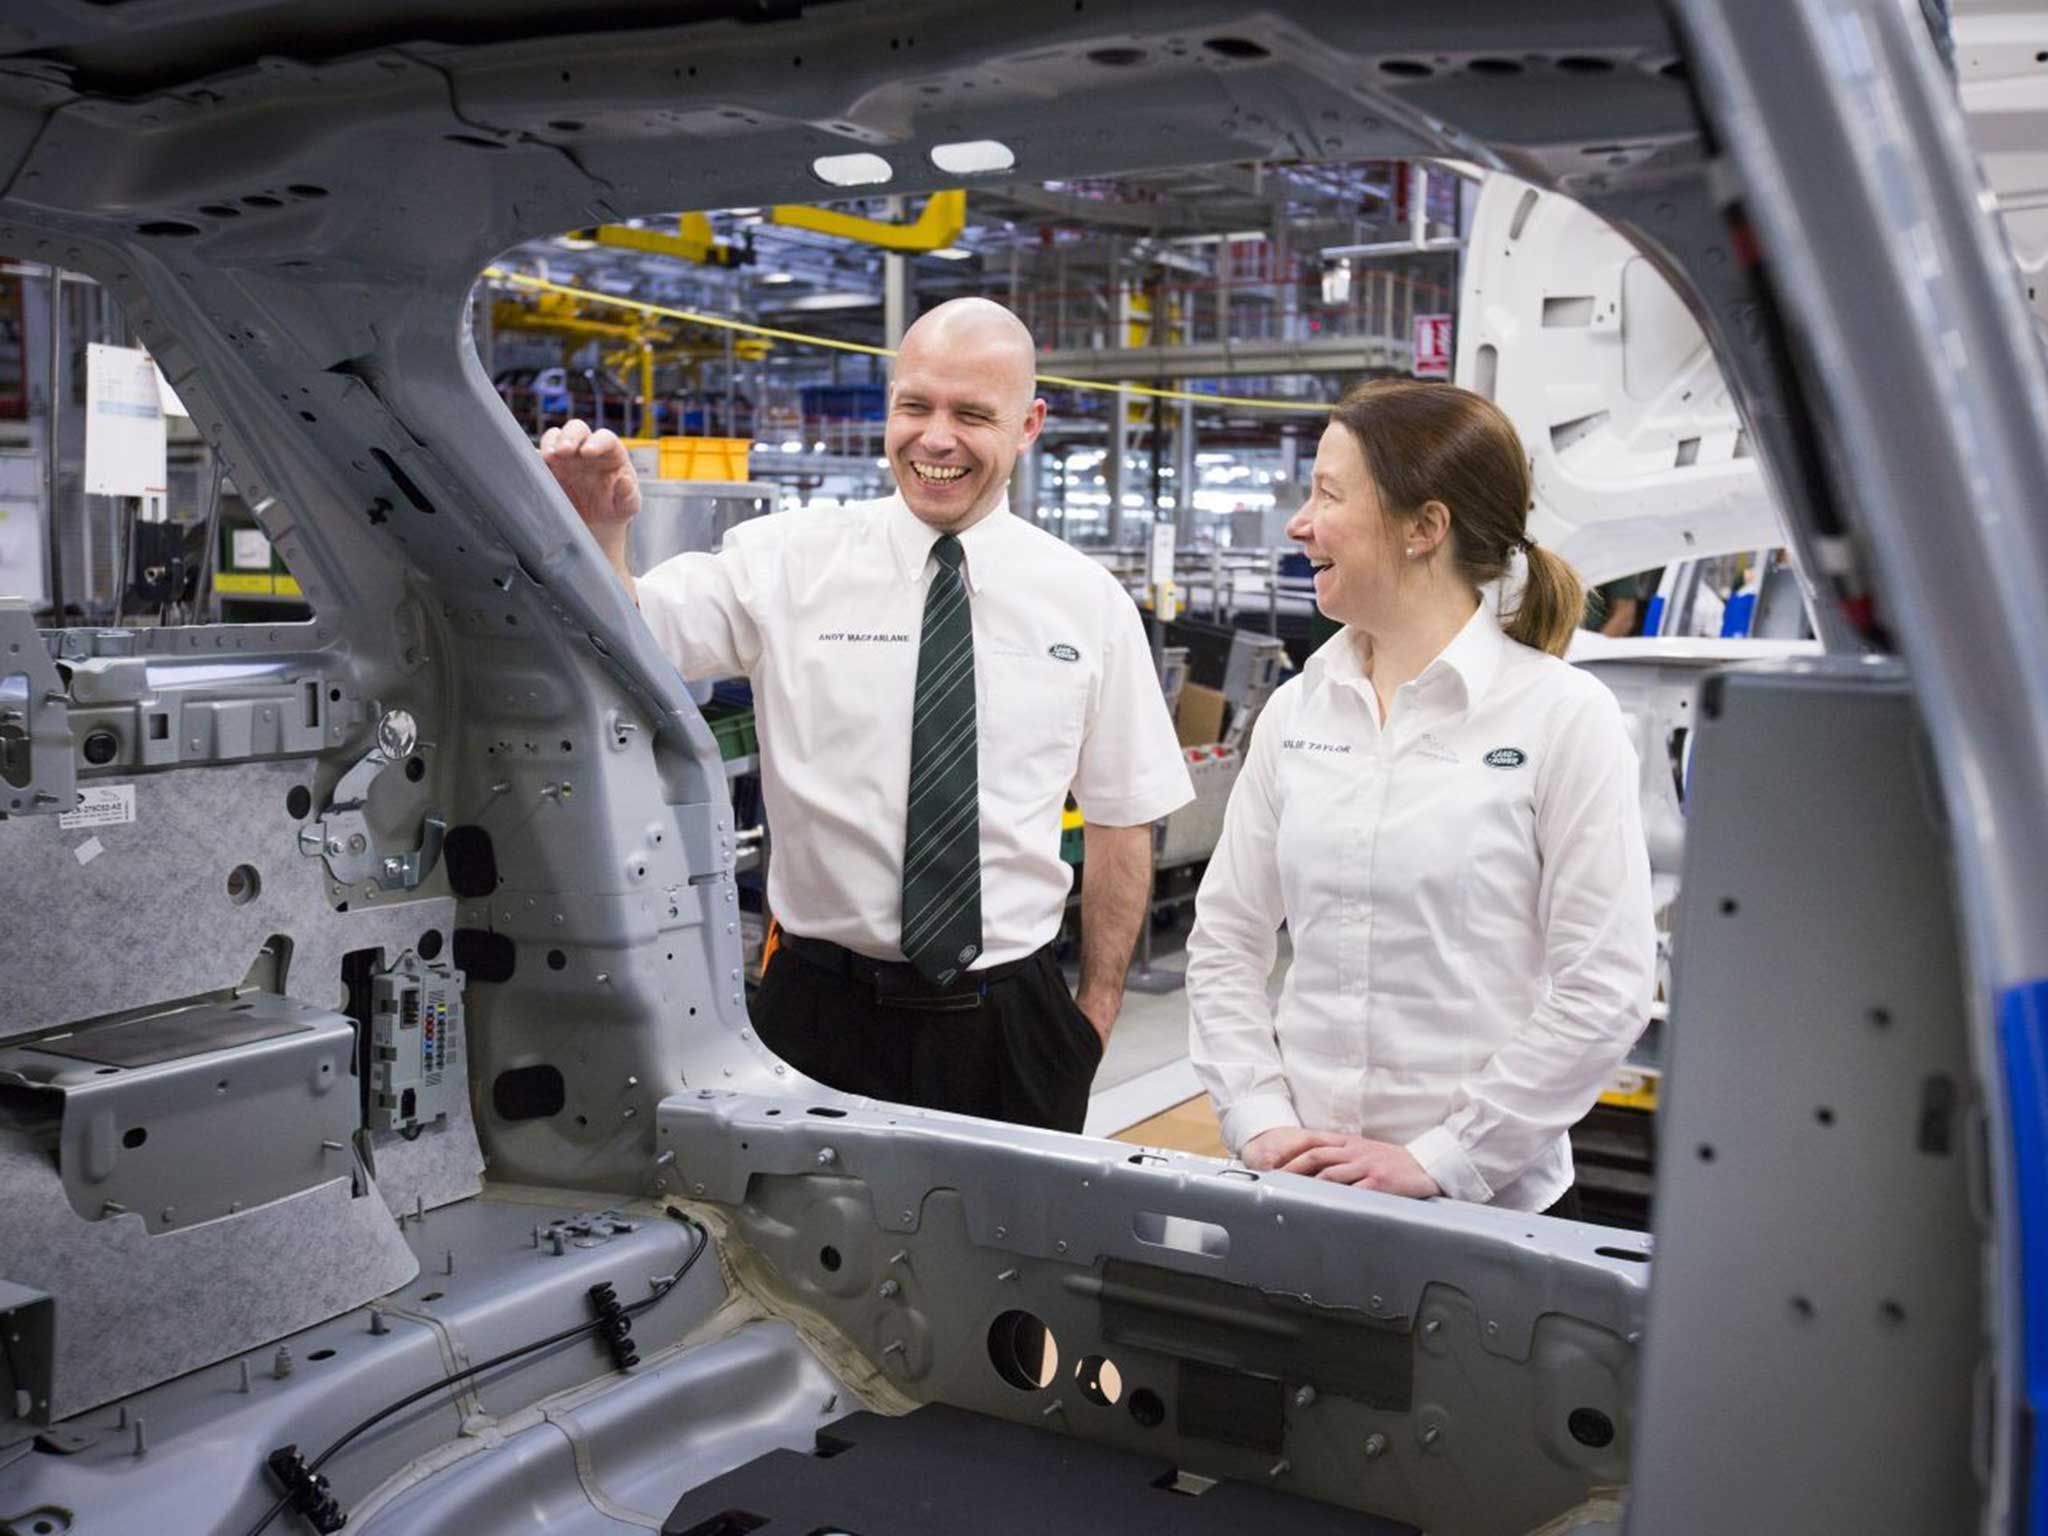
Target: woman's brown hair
1425,441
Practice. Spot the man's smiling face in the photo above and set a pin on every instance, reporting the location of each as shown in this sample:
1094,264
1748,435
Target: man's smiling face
960,411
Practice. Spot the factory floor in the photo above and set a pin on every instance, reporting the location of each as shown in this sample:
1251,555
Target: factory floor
1145,1090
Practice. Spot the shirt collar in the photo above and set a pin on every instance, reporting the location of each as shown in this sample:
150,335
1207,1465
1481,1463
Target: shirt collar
912,539
1472,657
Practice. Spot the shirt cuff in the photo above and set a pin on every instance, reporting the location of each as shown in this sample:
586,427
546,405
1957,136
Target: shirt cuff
1446,1161
1254,1117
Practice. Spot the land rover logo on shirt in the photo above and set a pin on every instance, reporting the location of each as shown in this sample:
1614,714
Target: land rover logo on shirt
1062,652
1506,757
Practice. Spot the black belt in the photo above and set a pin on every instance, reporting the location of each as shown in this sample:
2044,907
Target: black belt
898,981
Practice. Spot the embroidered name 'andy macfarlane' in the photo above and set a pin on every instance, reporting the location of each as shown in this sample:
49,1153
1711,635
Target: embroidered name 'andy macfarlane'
861,635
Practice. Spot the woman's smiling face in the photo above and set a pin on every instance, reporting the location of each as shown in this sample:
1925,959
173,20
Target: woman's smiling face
1345,533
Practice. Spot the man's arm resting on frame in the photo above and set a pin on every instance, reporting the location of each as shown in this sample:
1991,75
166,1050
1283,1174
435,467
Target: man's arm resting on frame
1116,892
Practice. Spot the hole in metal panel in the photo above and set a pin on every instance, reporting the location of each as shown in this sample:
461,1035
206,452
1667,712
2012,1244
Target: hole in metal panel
1486,370
1147,1408
244,884
1589,1426
1023,1351
1099,1380
862,170
1183,1234
1236,48
1568,310
134,1136
529,1093
974,157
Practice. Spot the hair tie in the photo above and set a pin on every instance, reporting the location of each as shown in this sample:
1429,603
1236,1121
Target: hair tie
1527,545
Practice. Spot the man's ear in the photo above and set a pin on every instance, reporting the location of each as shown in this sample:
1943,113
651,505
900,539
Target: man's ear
1034,423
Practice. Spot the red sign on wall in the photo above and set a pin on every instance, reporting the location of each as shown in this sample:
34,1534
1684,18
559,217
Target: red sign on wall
1432,346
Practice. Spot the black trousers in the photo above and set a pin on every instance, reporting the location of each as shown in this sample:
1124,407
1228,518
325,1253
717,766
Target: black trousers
1007,1045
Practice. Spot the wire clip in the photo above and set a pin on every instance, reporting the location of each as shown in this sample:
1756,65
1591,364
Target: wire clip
306,1491
614,1326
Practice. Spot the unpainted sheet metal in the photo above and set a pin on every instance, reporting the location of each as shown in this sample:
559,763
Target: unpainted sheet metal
132,912
1469,1338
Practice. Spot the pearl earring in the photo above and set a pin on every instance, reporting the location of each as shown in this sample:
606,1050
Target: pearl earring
1411,551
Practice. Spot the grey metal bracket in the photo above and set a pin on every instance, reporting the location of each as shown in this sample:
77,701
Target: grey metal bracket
38,768
342,835
199,1112
28,1351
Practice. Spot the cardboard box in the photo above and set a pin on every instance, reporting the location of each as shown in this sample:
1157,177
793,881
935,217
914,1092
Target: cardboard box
1199,721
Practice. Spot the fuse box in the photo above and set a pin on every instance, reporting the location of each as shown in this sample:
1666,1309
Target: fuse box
417,1071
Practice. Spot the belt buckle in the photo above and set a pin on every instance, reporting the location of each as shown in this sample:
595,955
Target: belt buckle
910,990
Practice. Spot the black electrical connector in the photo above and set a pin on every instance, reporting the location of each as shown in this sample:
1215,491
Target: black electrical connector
307,1472
306,1491
614,1326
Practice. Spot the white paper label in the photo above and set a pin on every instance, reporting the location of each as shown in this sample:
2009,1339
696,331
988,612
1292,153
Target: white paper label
101,805
1161,566
88,850
124,423
250,550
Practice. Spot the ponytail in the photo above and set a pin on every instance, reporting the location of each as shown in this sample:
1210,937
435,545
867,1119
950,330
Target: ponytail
1553,599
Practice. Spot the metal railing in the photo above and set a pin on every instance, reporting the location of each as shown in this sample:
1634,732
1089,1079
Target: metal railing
1374,301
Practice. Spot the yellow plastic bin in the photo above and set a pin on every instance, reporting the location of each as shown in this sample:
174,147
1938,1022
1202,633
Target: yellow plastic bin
704,458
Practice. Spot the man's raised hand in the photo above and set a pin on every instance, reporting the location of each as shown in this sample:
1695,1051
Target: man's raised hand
595,474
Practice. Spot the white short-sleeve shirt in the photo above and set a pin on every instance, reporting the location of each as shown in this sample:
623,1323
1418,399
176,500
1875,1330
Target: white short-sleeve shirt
822,611
1467,891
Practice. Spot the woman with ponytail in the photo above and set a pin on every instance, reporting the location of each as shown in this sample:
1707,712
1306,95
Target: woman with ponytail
1446,817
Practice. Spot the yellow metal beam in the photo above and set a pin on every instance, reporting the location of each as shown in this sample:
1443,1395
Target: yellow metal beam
692,241
528,283
944,216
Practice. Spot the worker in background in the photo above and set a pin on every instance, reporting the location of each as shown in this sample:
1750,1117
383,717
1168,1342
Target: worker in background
931,676
1446,817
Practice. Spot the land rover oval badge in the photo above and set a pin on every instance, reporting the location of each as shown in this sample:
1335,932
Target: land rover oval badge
1062,652
1506,757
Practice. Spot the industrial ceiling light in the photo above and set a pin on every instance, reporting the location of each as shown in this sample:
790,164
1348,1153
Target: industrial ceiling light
821,301
952,253
777,277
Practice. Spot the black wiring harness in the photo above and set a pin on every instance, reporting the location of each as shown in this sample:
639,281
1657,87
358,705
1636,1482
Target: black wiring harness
306,1491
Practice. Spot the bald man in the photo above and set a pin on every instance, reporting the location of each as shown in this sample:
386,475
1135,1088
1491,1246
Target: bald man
932,677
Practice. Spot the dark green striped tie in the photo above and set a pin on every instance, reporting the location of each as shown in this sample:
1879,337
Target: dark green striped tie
942,830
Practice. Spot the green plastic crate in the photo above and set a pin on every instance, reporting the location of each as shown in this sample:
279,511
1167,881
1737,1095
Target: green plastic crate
733,728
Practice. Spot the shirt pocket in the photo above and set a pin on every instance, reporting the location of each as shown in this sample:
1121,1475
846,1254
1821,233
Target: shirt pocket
1031,712
1500,865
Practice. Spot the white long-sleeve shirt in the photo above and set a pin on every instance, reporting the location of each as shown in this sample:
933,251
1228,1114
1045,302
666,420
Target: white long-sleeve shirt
1467,891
